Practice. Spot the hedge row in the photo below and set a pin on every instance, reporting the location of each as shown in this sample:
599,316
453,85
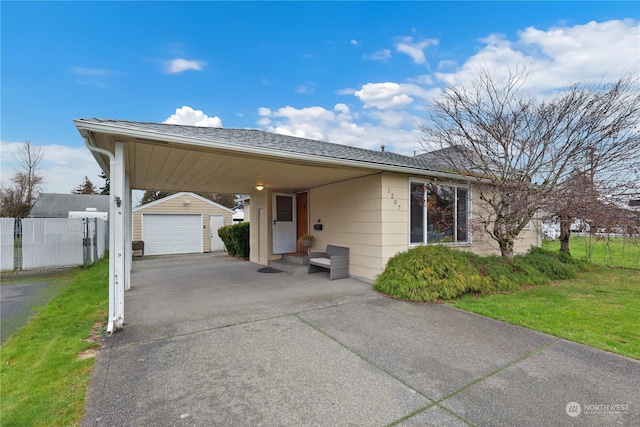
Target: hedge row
236,239
436,272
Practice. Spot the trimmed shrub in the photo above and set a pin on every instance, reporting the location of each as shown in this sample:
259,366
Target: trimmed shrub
240,238
433,272
547,264
429,273
236,239
225,235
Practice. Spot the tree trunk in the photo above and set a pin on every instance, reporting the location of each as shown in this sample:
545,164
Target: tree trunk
506,248
565,233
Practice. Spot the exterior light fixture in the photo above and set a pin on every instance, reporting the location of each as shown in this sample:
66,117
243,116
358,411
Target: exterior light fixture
187,202
259,187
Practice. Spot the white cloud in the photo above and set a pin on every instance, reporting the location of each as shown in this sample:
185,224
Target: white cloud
388,112
342,108
447,63
415,49
354,42
339,126
63,167
390,95
95,72
180,65
188,116
559,56
306,88
383,95
346,91
381,55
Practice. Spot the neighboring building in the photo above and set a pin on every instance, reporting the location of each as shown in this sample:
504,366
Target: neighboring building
52,205
180,223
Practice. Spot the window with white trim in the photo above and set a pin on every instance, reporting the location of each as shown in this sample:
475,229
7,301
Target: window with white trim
439,213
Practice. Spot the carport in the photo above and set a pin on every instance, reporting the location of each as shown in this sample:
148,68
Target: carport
153,156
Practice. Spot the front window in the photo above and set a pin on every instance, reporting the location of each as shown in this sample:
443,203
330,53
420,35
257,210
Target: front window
439,213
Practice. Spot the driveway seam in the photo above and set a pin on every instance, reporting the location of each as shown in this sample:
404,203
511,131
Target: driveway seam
438,402
279,316
434,403
498,370
369,361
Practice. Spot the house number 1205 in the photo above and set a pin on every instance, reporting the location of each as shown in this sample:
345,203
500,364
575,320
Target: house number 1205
391,195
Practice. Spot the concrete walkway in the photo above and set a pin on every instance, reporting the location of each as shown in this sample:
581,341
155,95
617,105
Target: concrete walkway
209,341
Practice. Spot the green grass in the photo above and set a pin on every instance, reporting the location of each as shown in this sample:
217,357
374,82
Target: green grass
598,308
44,381
611,251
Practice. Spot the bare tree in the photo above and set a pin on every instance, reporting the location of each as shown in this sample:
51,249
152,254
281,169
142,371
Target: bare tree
86,187
18,197
517,151
104,190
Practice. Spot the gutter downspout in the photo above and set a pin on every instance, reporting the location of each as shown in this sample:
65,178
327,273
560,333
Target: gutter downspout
112,165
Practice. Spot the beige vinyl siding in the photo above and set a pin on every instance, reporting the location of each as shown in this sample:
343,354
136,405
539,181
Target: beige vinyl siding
260,231
395,215
370,216
176,206
351,215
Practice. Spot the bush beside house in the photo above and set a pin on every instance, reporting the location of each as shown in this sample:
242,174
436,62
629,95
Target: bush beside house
236,239
436,272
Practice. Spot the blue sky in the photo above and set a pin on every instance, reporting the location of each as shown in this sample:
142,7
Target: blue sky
356,73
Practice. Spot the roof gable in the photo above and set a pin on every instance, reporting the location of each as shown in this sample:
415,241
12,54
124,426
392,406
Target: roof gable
183,193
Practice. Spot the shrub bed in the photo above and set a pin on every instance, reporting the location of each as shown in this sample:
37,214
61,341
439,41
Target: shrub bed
236,239
437,272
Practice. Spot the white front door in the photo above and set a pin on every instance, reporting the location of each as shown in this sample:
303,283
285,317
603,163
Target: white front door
216,222
284,223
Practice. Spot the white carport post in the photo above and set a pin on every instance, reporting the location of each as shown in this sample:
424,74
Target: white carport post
128,233
118,223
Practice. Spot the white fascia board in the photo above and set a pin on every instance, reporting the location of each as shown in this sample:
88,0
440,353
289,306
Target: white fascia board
267,152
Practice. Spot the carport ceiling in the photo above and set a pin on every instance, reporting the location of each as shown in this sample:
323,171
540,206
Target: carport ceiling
185,158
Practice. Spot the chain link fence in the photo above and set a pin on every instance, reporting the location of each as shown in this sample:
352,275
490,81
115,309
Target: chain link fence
43,243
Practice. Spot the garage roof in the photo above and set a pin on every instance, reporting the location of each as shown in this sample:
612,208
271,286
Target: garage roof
52,205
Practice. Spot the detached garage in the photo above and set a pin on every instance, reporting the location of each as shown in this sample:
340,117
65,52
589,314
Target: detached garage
180,224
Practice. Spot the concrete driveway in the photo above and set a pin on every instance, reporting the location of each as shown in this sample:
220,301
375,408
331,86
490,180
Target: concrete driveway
209,341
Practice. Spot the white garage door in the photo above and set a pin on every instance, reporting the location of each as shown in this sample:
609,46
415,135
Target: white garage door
171,234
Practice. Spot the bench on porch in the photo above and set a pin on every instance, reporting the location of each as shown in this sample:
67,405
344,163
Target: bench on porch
334,258
138,245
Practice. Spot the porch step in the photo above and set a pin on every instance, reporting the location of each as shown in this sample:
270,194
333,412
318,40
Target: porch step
300,259
294,268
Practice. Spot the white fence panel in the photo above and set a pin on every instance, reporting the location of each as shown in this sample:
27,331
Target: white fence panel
6,243
103,237
52,242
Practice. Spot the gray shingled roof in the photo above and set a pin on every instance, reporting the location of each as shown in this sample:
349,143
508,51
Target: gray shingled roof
51,205
277,142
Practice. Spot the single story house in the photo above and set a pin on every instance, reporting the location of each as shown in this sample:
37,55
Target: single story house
372,202
53,205
179,224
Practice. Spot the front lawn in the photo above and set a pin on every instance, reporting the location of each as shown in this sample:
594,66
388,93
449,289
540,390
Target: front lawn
598,308
46,366
602,250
